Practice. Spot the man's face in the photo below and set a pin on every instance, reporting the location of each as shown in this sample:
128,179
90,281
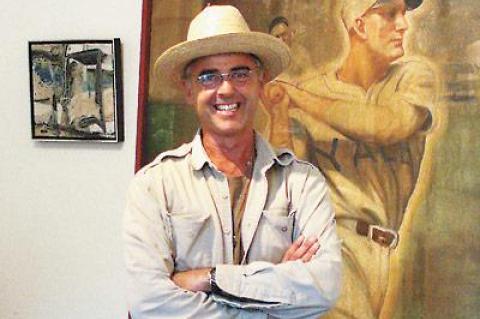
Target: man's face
385,26
226,109
282,32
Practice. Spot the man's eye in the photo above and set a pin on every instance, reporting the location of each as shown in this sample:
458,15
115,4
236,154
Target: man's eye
209,77
390,14
240,74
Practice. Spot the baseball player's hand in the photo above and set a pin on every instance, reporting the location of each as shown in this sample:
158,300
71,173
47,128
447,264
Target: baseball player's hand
302,249
193,280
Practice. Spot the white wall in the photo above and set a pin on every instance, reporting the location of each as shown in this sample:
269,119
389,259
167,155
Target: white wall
61,204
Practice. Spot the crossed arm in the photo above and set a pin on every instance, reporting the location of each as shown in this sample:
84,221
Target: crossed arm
304,284
199,279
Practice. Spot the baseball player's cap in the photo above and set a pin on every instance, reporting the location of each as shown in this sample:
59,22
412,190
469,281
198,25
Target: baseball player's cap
353,9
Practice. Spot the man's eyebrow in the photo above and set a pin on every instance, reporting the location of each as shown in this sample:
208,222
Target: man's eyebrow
388,6
241,67
208,71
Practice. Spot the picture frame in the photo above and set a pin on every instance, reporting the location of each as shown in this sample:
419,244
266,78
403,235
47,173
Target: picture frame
442,33
156,121
76,91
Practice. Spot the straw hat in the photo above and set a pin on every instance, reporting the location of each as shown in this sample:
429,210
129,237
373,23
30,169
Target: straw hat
353,9
222,29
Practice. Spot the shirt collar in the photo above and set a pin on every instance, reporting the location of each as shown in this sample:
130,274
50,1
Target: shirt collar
199,155
266,155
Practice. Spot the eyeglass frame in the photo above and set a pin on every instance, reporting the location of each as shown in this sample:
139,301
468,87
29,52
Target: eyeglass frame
219,78
258,66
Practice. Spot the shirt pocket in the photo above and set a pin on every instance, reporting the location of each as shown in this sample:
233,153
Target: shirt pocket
275,232
191,240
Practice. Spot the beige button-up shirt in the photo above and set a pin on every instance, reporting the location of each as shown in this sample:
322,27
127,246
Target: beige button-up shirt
179,217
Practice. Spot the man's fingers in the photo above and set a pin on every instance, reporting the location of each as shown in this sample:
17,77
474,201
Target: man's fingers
293,248
193,280
310,252
303,249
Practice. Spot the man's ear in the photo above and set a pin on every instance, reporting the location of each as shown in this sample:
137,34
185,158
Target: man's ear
265,77
359,28
187,91
263,82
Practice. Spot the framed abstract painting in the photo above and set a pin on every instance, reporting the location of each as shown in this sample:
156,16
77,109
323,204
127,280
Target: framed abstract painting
76,90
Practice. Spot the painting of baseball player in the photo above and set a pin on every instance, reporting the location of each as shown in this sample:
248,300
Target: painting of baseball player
365,125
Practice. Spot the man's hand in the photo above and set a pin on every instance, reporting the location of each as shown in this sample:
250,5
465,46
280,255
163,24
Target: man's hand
198,279
302,249
193,280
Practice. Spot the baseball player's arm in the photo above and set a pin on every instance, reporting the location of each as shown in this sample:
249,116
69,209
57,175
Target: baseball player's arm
152,294
287,123
392,119
275,101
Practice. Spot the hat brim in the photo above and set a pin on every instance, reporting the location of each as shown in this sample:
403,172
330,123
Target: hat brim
272,52
410,4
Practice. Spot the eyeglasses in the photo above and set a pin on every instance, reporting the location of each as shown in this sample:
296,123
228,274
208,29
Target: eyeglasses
212,80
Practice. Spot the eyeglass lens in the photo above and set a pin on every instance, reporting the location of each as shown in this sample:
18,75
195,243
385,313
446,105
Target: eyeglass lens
214,79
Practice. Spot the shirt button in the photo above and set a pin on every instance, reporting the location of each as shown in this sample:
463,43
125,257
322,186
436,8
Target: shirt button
284,228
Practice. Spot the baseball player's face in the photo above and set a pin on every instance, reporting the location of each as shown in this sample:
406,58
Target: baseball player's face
282,32
385,26
225,90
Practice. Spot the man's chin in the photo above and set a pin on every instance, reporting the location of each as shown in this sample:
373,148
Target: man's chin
396,54
388,54
228,131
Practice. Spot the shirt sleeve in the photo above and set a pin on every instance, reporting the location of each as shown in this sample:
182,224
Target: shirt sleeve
394,109
151,292
419,86
292,289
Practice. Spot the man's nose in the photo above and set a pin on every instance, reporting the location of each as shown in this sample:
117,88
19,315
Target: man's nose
226,87
401,23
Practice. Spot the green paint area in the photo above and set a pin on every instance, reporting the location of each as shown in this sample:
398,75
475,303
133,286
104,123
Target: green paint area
167,126
442,274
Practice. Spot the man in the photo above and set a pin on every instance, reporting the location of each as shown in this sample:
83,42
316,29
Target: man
226,227
364,125
281,29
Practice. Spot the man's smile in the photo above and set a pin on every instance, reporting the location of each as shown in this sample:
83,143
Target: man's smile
397,42
227,107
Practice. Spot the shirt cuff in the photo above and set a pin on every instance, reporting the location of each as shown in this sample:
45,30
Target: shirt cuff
235,287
